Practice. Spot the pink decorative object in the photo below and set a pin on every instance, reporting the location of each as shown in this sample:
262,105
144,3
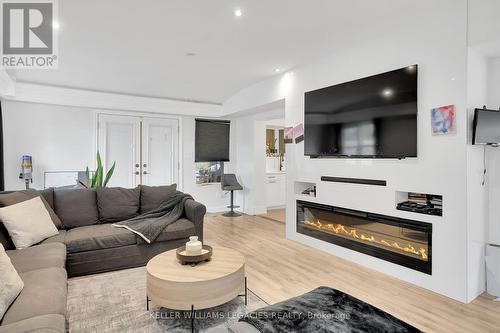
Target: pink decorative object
298,133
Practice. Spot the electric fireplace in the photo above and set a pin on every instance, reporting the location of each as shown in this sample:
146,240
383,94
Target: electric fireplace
401,241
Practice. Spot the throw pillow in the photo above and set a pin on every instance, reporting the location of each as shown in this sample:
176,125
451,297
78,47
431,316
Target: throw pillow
76,207
48,195
117,203
152,196
28,222
9,199
10,283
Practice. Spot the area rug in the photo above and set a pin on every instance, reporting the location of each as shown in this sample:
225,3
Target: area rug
116,302
326,310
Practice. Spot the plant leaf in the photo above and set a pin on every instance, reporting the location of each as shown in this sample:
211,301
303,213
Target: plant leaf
109,174
99,160
99,171
87,175
98,176
97,179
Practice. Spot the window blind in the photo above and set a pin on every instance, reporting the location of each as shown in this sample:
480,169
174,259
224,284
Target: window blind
211,140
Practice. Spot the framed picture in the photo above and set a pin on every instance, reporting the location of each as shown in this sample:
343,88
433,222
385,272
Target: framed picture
443,120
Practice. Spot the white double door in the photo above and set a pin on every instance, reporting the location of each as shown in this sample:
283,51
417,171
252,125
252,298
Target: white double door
145,149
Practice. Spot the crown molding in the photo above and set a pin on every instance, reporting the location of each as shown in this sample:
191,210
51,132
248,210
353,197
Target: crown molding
45,94
7,85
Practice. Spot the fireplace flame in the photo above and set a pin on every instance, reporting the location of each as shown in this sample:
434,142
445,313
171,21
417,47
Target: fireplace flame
353,233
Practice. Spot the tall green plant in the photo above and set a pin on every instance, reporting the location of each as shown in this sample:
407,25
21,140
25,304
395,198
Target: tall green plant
96,179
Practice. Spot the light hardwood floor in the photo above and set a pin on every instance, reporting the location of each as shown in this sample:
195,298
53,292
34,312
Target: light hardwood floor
278,269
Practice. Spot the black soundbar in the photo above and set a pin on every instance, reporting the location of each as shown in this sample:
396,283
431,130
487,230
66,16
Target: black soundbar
354,181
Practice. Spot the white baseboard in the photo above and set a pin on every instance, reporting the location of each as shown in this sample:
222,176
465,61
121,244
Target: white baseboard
260,210
217,209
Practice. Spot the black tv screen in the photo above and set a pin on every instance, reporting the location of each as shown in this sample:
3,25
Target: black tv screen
374,117
486,127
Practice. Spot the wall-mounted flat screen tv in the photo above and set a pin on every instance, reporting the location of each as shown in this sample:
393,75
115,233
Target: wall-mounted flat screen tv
486,129
373,117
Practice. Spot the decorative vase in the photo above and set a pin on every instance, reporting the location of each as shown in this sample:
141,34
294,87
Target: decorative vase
193,246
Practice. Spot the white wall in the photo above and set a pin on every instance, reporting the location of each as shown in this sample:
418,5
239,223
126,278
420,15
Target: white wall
477,192
59,138
441,167
7,85
494,83
63,138
210,195
251,158
493,176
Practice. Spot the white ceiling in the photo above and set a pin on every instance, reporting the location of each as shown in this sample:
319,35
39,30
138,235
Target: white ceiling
139,47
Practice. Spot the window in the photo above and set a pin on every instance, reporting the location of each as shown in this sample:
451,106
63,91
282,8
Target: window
209,172
211,149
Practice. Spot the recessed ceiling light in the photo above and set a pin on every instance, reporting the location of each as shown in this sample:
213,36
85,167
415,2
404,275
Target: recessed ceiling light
388,92
190,54
55,25
238,12
277,70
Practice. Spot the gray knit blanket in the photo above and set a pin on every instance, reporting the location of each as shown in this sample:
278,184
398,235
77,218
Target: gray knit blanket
151,224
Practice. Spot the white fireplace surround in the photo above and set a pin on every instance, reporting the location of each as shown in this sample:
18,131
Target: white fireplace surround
445,165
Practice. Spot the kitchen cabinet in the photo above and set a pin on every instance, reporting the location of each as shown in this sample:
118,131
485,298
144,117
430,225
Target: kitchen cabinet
275,189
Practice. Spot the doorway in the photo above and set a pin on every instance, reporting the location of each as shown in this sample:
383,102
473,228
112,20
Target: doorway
145,149
275,172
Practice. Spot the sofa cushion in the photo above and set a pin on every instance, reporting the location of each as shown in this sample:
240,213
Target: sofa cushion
10,282
181,228
28,222
59,238
51,323
5,239
48,195
76,207
38,257
117,203
97,237
44,292
152,196
8,199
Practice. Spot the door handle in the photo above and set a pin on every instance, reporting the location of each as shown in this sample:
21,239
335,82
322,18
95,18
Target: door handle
145,165
137,165
137,172
144,172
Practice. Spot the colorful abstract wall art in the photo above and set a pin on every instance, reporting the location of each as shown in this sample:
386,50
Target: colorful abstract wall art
443,120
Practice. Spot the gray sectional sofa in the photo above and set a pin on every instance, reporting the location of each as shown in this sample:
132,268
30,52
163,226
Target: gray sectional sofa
87,244
41,305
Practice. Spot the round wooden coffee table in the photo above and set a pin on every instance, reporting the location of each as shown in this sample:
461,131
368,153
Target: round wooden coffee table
183,287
